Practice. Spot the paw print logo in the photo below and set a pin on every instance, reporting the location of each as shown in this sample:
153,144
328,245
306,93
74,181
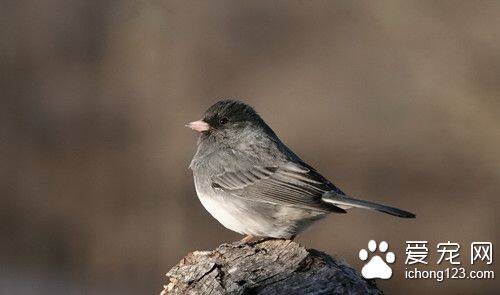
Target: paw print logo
376,267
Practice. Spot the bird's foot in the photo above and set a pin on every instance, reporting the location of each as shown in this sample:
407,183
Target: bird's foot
248,239
253,240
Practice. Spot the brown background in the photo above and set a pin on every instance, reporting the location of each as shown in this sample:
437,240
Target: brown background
395,101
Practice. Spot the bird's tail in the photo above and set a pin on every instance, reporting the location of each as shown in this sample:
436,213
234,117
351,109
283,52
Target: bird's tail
343,200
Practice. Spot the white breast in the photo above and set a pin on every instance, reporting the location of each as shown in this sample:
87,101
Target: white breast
230,212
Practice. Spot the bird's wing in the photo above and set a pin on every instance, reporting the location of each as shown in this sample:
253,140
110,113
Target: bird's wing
288,185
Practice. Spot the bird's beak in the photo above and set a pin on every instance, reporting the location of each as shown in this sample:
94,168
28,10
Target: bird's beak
199,126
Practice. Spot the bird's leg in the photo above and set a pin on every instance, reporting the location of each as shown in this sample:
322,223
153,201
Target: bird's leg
247,239
252,240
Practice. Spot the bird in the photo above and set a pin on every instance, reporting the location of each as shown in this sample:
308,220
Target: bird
253,184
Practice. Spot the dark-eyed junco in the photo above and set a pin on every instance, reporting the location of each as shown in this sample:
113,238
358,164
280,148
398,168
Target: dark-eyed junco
254,184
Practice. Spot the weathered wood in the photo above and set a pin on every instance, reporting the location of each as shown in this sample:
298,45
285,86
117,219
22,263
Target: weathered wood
264,267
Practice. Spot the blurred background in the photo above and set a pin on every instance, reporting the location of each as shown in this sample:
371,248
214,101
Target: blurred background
395,101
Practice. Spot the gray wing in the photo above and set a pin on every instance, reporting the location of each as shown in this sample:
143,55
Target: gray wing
288,185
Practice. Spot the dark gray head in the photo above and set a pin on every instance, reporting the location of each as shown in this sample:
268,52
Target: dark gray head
228,118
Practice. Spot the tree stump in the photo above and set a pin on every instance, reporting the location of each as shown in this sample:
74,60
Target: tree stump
265,267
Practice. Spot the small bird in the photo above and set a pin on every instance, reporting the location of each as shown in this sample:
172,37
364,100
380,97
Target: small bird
253,184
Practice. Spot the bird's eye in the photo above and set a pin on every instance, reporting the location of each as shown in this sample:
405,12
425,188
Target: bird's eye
223,121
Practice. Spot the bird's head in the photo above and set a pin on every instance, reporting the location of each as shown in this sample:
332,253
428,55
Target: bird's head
227,119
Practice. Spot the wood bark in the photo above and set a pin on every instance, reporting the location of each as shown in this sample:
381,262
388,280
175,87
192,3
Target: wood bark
265,267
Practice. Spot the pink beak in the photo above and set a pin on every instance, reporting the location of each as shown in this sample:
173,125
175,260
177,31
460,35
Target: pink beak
199,126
